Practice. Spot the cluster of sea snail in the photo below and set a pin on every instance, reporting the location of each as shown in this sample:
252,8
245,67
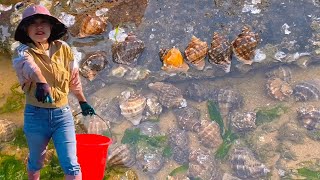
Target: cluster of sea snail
139,108
220,52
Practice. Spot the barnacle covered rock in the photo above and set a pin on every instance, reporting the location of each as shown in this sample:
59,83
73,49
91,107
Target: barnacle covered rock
309,117
245,165
128,51
7,130
209,134
279,89
243,122
169,95
172,60
132,106
188,118
92,25
196,52
244,46
307,91
220,52
92,64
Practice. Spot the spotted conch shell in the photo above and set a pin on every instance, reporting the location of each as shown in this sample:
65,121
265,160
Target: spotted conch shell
196,51
244,46
132,106
220,52
92,25
172,60
169,95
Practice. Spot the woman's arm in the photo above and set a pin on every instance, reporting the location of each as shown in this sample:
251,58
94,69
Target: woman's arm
75,83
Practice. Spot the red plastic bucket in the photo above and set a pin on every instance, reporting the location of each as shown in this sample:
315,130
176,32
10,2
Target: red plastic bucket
92,152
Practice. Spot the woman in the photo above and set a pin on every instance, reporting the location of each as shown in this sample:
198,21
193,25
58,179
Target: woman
47,71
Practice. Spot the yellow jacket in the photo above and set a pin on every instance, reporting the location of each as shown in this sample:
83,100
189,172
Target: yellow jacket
57,66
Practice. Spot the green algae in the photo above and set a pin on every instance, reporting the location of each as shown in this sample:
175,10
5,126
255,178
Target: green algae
133,136
227,135
15,100
309,174
268,114
179,170
11,168
215,115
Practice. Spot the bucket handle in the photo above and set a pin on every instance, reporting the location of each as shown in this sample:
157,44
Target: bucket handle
107,122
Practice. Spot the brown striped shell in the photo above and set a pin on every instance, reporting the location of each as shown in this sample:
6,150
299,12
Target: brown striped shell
220,52
307,91
279,89
132,106
245,165
196,52
7,130
309,117
169,95
209,134
128,51
244,46
92,25
122,155
92,64
188,118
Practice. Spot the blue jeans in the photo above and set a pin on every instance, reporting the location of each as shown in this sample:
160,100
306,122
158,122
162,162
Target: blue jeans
42,124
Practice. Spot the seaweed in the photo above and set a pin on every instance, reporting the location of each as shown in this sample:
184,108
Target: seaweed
267,114
11,168
119,172
179,170
309,174
215,115
131,136
227,135
14,102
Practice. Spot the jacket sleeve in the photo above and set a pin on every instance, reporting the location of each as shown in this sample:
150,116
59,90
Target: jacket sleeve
75,83
24,65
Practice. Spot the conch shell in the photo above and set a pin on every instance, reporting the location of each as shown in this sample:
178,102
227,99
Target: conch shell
172,60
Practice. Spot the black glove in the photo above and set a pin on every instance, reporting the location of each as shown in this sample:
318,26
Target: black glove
43,93
86,109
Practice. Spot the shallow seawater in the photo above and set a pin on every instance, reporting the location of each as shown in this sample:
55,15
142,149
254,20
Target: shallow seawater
286,26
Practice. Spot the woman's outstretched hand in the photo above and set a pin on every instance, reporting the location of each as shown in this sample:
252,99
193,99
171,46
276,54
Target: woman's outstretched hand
86,108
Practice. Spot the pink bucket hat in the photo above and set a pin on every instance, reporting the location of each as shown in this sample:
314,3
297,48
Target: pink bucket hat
58,28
